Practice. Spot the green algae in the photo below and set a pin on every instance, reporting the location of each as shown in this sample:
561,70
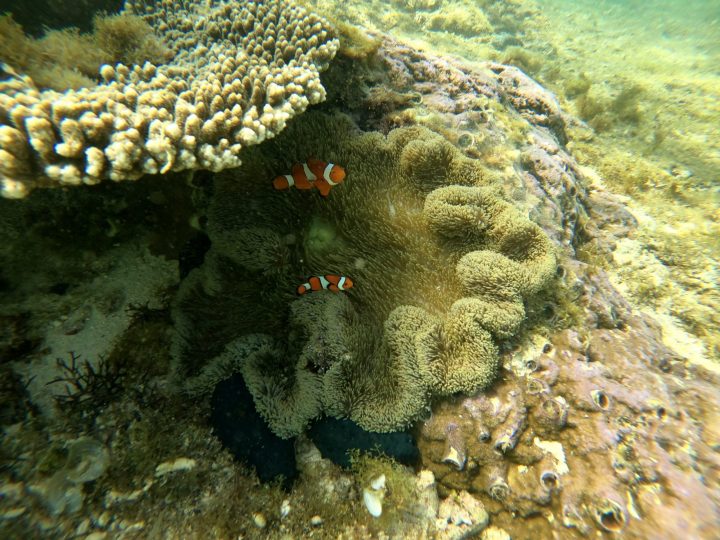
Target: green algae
67,58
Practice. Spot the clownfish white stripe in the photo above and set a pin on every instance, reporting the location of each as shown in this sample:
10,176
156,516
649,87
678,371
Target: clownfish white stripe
329,282
308,173
326,174
313,174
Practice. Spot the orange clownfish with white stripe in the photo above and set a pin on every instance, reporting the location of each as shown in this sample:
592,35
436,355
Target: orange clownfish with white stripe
313,173
328,282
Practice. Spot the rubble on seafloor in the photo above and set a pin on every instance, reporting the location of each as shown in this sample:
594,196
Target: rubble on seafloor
594,427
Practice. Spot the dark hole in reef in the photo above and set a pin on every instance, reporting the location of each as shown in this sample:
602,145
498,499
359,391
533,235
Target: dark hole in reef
337,438
560,271
549,311
35,16
661,413
192,253
664,365
601,399
244,432
547,348
549,480
465,140
59,288
531,365
612,520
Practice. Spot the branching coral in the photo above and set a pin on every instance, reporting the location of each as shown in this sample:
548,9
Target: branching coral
441,265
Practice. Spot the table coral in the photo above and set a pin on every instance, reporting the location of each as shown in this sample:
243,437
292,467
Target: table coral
239,71
441,264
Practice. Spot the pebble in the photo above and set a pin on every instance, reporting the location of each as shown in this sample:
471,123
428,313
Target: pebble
180,464
285,508
495,533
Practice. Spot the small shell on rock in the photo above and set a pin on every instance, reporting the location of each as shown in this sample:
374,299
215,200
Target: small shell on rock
378,483
373,502
87,460
499,489
549,480
455,458
180,464
554,412
495,533
507,440
285,508
259,520
600,399
536,386
609,515
373,496
316,521
571,518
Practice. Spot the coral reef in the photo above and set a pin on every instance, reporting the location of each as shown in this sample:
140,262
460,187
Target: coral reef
594,427
463,18
597,431
239,72
412,206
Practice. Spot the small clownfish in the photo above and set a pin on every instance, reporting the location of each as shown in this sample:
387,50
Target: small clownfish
328,282
313,173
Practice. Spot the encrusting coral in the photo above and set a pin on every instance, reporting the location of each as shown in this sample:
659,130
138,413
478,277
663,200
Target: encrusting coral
441,266
239,71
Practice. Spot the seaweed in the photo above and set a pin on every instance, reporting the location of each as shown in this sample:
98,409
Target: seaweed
86,386
66,58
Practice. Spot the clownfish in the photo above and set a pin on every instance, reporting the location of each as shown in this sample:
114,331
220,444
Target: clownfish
328,282
313,173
